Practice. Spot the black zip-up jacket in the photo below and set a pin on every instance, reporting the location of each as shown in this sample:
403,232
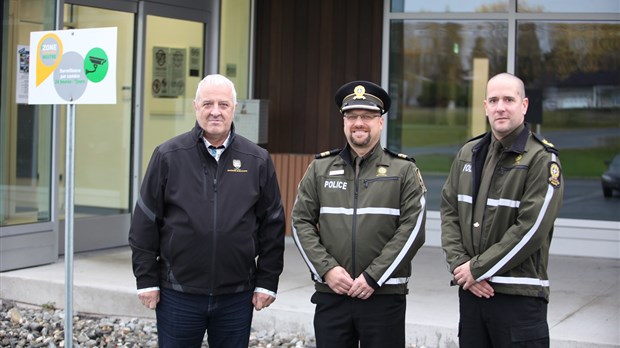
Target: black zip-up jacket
206,228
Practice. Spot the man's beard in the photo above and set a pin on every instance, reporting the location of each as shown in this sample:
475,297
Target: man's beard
362,143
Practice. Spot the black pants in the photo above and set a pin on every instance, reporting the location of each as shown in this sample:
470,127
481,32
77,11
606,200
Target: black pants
344,322
502,321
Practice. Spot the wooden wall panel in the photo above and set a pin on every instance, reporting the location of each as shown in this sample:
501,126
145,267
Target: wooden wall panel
290,169
305,50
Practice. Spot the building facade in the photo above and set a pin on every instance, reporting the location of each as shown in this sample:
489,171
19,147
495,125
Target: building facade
434,60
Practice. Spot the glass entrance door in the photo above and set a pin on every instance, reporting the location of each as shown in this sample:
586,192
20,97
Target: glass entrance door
102,143
160,60
26,145
173,67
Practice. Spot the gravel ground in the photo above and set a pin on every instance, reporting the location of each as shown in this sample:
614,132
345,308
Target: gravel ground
29,326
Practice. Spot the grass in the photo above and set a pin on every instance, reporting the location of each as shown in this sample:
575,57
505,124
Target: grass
433,164
576,163
586,163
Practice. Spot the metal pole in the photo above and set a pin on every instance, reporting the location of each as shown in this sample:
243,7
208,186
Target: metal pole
69,184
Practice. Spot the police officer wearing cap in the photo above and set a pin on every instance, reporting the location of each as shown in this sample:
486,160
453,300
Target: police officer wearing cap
358,221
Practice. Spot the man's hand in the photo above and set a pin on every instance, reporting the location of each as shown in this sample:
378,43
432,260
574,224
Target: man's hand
482,289
360,288
464,278
149,299
339,280
261,300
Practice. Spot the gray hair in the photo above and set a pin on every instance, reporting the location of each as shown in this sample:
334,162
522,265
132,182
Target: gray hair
217,80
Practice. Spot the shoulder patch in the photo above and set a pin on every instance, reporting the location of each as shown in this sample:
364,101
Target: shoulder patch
547,144
554,174
420,180
327,153
399,155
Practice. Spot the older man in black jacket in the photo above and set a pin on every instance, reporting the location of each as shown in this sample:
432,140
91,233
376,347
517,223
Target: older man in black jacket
207,233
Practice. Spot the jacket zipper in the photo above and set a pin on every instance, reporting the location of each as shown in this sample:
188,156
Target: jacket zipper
213,256
354,222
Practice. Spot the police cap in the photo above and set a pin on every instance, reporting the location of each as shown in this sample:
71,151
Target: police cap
362,95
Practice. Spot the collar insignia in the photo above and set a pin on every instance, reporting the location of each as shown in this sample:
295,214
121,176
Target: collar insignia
546,142
518,159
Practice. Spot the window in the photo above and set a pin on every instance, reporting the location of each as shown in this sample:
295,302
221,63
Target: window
25,130
439,64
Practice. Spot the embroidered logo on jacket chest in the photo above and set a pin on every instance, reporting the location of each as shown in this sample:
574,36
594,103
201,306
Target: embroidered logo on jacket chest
237,167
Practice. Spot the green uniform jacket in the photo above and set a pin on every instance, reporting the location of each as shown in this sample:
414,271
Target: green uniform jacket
522,204
374,224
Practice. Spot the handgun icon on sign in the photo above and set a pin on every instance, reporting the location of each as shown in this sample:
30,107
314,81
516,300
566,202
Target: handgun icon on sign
96,62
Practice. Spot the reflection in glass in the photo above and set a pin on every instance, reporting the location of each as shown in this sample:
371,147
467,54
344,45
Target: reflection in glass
569,6
167,115
431,74
25,130
102,132
449,6
572,75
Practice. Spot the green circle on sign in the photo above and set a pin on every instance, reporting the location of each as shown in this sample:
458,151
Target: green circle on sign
96,64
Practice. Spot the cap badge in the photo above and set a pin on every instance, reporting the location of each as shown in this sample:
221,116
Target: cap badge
359,91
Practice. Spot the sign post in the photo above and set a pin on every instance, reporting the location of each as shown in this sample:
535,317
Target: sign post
72,67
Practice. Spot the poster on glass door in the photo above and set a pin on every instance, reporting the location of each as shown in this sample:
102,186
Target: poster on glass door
75,66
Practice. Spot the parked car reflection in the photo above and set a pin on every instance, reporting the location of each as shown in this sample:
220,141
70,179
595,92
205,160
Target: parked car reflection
610,180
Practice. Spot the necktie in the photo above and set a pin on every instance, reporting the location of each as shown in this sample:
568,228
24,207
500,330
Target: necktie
490,164
214,151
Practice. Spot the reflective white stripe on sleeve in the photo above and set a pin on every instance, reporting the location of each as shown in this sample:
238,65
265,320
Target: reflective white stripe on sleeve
407,246
315,274
397,281
518,280
526,238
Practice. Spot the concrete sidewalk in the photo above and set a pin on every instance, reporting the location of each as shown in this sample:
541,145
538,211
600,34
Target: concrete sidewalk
584,310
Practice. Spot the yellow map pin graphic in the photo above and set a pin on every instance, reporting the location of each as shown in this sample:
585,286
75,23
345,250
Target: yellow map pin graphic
49,52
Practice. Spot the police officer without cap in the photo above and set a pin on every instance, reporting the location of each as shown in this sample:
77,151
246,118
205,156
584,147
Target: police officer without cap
358,221
498,208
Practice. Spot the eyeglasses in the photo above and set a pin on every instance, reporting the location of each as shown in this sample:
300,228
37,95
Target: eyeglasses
364,117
